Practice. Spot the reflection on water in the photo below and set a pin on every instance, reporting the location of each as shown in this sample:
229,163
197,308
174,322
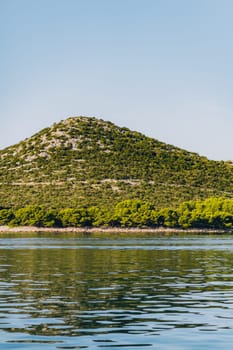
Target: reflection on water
74,292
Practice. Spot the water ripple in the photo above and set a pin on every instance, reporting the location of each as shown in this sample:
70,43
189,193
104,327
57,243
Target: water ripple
69,292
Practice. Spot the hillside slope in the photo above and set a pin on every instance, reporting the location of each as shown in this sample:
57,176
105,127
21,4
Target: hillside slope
87,161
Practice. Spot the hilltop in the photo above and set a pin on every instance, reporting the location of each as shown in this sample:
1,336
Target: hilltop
85,161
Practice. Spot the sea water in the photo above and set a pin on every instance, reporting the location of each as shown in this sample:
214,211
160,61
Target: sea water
68,291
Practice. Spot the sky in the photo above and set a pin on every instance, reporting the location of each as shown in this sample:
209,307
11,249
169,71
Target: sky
160,67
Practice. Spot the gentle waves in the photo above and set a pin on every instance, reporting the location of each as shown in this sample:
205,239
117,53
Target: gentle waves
116,292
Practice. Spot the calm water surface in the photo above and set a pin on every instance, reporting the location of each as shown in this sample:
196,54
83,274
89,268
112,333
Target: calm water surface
116,292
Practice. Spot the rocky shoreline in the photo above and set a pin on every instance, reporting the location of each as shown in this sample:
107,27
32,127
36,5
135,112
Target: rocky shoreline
157,230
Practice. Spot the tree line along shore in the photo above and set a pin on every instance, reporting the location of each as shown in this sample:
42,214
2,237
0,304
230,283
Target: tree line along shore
209,214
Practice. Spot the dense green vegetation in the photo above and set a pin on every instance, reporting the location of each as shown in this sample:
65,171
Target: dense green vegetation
213,212
85,162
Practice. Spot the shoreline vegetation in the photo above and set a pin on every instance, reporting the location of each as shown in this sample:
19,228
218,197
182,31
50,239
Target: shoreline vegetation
131,215
110,230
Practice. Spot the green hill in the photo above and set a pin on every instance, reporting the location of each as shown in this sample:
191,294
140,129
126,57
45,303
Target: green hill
84,161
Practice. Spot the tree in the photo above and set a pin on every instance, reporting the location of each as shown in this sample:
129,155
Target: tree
75,217
167,217
134,212
6,216
36,216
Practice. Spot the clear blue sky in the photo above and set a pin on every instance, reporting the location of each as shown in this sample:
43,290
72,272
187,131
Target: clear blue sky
161,67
